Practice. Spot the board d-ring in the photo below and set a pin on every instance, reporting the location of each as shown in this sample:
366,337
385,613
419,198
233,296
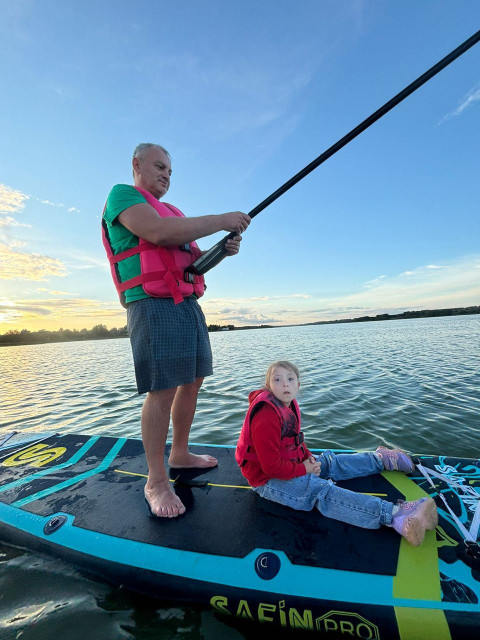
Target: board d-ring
54,524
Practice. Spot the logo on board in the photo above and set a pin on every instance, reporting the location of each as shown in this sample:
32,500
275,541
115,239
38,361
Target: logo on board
338,623
347,623
37,456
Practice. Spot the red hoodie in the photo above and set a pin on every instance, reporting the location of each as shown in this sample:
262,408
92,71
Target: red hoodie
266,437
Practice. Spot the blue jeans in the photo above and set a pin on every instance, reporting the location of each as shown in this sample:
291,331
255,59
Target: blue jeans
308,491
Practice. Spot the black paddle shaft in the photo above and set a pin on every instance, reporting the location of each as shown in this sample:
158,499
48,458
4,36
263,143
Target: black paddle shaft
214,255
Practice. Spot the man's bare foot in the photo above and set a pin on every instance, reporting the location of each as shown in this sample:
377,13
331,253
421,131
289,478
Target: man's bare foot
163,501
192,461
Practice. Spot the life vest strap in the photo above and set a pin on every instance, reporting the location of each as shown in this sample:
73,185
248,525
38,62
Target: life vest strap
285,454
133,251
166,276
113,259
299,438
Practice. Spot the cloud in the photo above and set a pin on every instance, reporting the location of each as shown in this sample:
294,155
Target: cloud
374,282
454,284
245,311
52,204
18,265
467,101
82,261
56,293
244,316
7,221
426,287
58,205
11,200
252,299
56,312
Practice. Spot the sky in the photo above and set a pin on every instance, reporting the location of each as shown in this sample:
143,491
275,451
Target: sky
243,95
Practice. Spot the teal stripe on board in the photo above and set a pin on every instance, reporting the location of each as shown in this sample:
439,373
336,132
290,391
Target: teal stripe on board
45,472
71,481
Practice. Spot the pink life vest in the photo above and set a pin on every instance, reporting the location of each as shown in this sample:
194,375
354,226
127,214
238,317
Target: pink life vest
162,269
291,448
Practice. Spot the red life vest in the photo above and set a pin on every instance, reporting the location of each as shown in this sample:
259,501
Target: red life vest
162,269
291,448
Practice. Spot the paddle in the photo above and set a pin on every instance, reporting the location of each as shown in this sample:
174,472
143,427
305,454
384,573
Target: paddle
217,253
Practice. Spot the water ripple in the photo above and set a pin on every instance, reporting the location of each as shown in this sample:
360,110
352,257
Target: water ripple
412,383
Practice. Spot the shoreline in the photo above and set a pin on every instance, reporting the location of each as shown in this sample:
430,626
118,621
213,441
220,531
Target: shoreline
16,338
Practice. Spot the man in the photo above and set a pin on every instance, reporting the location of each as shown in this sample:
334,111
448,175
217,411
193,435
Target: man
149,244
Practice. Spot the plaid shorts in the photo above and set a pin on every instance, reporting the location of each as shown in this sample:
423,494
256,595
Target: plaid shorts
169,341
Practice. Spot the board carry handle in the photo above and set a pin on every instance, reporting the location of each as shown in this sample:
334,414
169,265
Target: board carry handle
217,253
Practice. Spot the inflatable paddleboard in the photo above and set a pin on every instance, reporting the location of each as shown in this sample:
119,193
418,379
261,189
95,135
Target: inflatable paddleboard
80,498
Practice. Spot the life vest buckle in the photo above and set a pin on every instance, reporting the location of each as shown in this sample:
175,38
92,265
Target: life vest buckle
299,439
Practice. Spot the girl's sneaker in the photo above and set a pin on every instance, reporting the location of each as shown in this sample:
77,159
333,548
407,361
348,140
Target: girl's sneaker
413,518
395,459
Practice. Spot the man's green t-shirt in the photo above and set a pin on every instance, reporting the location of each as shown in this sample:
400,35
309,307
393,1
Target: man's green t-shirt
120,198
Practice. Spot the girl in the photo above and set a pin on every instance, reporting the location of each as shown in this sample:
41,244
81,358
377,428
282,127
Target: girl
274,459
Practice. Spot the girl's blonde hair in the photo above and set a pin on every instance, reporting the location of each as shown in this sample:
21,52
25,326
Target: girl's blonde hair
280,363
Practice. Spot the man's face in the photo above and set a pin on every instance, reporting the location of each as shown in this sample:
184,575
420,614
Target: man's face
153,171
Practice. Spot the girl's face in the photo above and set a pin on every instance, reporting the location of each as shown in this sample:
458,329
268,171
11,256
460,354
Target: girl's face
284,385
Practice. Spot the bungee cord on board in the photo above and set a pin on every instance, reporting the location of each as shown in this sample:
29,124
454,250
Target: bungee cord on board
470,534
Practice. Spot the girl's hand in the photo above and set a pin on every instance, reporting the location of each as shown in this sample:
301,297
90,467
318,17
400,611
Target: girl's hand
312,466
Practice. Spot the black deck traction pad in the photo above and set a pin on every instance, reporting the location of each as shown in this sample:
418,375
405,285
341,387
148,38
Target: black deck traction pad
221,520
90,460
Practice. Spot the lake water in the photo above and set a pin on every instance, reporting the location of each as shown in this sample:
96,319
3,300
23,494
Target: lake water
410,383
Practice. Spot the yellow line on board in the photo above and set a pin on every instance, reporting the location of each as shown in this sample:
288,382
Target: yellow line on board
130,473
210,484
229,486
226,486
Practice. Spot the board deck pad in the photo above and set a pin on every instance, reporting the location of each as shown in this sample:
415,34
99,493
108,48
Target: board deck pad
232,519
332,574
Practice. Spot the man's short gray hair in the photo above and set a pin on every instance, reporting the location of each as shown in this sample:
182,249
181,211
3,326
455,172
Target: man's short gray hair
140,149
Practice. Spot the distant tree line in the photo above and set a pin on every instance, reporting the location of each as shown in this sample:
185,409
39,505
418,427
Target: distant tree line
221,327
426,313
100,331
232,327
